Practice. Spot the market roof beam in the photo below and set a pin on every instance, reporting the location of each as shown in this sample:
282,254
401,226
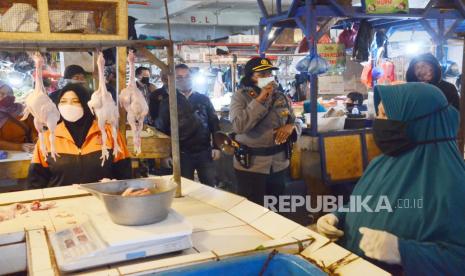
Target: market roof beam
176,7
434,35
279,6
461,6
326,27
262,7
329,11
292,9
78,45
429,6
452,30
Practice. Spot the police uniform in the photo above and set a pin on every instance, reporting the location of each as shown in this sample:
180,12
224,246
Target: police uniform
254,125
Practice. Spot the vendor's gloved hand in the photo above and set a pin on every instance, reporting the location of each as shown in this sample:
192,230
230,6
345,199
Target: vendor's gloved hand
380,245
216,154
326,225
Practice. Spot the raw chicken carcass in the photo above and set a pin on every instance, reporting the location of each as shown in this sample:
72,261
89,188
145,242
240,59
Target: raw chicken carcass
136,192
104,108
132,99
45,112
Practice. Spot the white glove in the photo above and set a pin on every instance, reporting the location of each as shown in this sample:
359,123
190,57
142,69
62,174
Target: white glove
326,225
380,245
216,154
103,180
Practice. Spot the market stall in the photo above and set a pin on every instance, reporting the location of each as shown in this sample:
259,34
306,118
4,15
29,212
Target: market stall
174,225
330,157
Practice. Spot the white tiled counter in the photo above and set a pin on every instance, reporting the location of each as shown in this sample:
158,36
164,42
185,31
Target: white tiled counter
224,225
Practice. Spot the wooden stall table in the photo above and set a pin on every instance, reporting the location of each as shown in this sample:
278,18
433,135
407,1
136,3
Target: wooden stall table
154,145
224,225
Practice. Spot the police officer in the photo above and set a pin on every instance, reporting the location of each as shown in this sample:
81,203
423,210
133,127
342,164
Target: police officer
264,123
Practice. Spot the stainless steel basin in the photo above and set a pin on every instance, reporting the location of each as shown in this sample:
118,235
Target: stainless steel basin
135,210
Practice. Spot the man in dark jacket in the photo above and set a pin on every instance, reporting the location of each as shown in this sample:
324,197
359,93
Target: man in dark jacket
426,68
156,98
73,74
197,123
143,81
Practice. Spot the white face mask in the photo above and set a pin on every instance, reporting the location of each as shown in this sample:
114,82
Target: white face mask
262,82
71,113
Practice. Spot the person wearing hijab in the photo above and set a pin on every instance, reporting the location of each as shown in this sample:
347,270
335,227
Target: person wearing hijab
426,68
78,142
415,129
15,135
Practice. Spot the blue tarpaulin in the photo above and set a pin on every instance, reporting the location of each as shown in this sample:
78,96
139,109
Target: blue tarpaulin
281,264
461,27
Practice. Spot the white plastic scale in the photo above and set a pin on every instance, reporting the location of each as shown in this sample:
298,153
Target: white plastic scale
99,241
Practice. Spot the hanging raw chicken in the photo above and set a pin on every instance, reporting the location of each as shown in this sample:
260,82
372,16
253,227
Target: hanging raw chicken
103,106
45,112
218,88
132,99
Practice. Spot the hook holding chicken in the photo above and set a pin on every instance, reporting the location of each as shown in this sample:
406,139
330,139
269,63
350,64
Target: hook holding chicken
45,112
135,104
103,106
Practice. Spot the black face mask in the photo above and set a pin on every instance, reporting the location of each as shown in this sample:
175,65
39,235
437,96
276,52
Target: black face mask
145,80
392,139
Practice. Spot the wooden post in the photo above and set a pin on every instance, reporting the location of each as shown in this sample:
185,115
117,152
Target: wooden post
462,106
44,22
121,84
122,19
176,154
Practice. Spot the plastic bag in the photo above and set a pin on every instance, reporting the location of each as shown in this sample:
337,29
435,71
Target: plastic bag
314,65
347,37
20,18
371,111
65,21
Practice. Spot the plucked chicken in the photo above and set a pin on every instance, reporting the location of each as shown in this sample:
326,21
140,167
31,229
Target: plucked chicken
135,104
104,108
45,112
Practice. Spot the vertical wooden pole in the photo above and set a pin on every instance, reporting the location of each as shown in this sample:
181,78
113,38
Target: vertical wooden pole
175,151
122,19
121,83
44,22
176,154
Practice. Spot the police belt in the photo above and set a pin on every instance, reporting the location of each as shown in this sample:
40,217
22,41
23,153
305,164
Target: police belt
267,151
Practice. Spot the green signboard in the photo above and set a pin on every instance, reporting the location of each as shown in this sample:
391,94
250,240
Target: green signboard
386,6
335,55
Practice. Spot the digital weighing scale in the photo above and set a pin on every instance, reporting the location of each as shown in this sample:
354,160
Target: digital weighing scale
99,241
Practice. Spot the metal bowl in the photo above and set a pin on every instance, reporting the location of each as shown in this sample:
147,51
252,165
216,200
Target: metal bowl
135,210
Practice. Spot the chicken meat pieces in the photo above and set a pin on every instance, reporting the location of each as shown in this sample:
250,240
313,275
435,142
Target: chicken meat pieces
136,192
